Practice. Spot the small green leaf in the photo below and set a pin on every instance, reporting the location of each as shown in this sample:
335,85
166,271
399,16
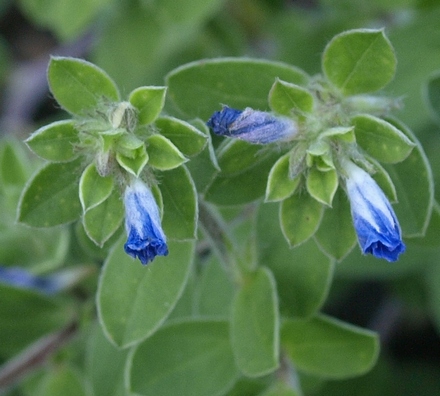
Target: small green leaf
300,216
279,183
134,300
255,325
384,181
346,134
133,165
287,98
103,220
180,204
190,359
322,185
14,164
149,102
163,154
199,88
188,139
359,61
51,197
329,348
55,142
336,235
381,139
79,86
93,188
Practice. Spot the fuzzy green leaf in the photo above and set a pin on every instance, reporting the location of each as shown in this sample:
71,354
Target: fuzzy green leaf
149,102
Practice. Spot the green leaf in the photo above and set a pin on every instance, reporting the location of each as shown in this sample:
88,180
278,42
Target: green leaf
51,197
300,216
287,98
415,189
248,185
103,220
381,139
14,164
93,188
26,316
279,183
149,102
190,359
384,181
61,380
215,290
236,156
67,19
329,348
199,88
188,139
104,365
303,274
133,300
55,142
345,134
180,204
79,86
359,61
336,235
163,154
255,325
432,94
322,185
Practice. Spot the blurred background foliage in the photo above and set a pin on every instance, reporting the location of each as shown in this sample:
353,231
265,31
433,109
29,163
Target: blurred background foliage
138,41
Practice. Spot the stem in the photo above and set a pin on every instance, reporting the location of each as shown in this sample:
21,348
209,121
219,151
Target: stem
34,356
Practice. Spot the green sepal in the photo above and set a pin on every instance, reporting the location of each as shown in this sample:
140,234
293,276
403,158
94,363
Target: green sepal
79,86
93,188
127,144
149,102
279,183
384,181
322,185
198,88
300,216
180,204
287,99
133,165
345,134
163,154
103,220
187,138
236,156
319,155
381,140
51,196
359,61
55,142
329,348
336,235
255,324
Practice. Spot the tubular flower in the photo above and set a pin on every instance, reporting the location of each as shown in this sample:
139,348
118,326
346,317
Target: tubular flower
23,279
146,239
251,125
375,222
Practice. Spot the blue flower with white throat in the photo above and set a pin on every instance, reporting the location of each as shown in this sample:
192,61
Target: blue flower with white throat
146,239
375,222
254,126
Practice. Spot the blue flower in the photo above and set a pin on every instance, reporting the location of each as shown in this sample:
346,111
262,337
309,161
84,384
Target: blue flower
252,125
146,239
23,279
375,222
